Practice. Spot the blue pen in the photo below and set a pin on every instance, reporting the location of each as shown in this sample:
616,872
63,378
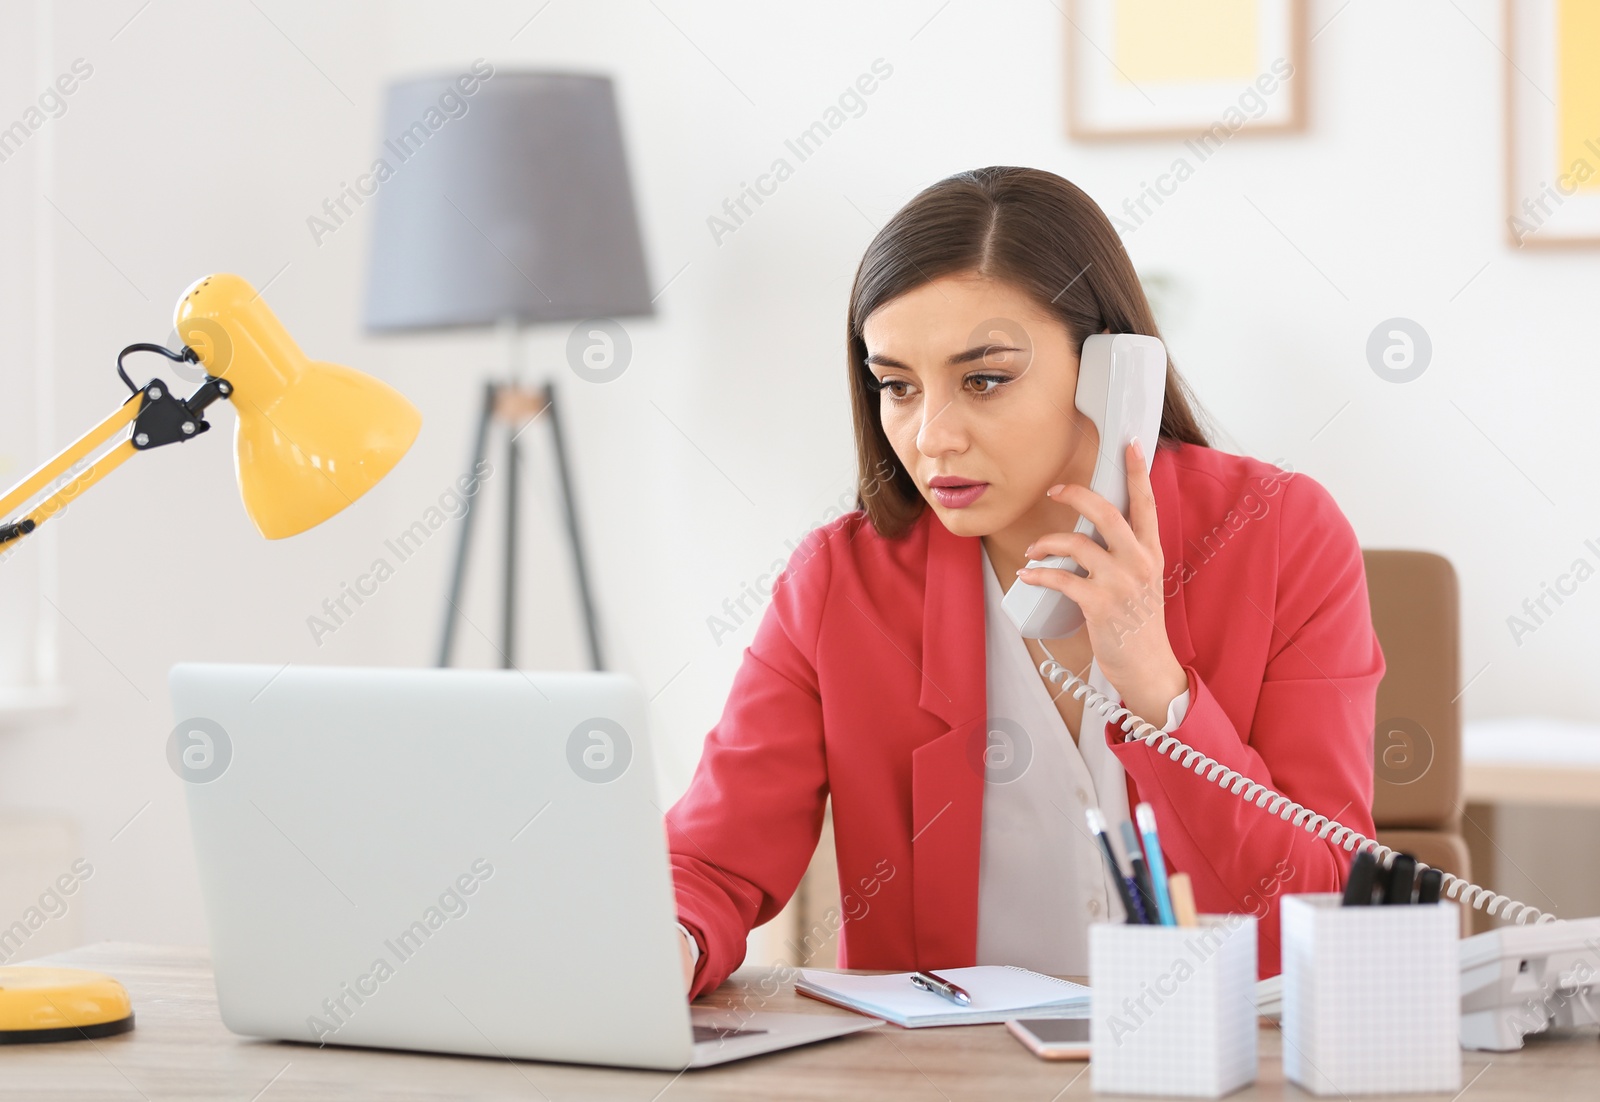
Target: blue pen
1127,891
1146,818
1144,899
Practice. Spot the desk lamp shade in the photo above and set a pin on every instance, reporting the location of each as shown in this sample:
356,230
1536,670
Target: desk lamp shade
510,202
311,437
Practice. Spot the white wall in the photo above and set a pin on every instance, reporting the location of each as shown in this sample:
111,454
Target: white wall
208,133
20,577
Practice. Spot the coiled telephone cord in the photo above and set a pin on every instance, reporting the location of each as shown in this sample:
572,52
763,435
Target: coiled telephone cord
1276,803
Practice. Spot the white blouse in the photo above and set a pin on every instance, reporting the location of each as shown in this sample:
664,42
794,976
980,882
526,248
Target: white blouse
1041,877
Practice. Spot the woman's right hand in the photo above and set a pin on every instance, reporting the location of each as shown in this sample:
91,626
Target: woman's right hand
688,961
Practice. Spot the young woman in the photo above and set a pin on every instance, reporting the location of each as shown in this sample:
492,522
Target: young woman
1230,606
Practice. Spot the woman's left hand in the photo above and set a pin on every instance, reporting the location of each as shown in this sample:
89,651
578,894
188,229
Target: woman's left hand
1122,598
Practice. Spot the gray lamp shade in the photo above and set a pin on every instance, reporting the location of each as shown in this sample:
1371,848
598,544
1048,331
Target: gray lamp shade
517,207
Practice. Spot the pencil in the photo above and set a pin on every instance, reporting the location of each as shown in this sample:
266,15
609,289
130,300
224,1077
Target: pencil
1182,894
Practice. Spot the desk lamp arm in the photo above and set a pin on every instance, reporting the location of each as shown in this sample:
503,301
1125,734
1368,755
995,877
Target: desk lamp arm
157,418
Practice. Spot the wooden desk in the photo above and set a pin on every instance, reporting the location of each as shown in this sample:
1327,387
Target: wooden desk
1531,760
1531,785
180,1049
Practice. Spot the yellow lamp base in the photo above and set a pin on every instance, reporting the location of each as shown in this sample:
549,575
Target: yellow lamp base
60,1004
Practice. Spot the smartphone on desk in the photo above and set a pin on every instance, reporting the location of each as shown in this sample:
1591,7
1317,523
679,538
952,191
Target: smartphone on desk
1053,1038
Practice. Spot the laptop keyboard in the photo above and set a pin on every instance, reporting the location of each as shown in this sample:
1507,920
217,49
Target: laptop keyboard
721,1033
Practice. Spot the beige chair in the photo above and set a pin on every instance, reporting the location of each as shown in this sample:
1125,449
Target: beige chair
1416,739
1417,800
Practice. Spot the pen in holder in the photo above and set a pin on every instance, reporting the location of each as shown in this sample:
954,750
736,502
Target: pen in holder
1172,1008
1371,996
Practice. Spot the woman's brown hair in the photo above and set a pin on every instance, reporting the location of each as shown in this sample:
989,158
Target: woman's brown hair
1023,226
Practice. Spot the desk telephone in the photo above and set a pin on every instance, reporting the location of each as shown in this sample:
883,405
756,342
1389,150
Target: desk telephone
1516,980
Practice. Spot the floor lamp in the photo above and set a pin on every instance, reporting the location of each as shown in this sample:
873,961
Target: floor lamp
515,212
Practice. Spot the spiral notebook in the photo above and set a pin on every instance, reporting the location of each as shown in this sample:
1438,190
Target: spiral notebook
999,992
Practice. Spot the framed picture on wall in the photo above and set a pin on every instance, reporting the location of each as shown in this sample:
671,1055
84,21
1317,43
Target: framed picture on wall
1183,69
1552,122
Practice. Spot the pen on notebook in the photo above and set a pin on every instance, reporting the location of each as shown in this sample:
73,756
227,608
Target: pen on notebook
1144,898
1097,825
938,985
1145,815
1182,899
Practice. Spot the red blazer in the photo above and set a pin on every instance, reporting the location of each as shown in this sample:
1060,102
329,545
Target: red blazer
866,682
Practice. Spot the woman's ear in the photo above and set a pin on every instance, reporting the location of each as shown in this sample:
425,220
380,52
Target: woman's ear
1107,329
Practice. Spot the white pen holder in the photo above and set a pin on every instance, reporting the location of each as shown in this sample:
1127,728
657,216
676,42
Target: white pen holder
1371,996
1173,1007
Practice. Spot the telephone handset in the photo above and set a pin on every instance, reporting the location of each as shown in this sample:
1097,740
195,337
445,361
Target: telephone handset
1122,381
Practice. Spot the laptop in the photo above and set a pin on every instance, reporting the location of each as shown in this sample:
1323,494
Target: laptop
458,861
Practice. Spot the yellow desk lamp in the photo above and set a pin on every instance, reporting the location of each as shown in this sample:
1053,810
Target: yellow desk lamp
310,438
